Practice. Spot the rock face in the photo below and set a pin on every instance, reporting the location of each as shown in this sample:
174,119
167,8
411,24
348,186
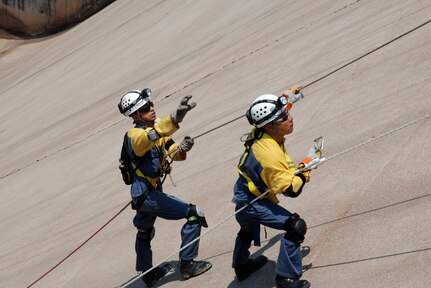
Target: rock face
43,17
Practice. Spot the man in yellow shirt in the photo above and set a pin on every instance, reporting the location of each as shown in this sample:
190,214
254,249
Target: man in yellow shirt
265,165
148,145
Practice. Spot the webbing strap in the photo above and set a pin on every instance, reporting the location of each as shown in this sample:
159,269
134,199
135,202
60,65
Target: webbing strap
153,181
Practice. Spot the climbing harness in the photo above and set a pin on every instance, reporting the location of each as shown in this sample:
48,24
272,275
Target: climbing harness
241,116
318,143
232,215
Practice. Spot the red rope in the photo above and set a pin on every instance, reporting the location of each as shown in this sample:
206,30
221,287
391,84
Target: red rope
71,253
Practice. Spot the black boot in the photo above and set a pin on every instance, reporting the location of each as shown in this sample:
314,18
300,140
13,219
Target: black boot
194,268
283,282
242,271
152,277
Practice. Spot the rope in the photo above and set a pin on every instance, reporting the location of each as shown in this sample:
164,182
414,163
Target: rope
333,71
268,190
378,137
226,123
77,248
190,243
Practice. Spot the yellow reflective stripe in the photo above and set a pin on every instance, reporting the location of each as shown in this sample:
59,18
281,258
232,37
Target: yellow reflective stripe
243,159
250,184
289,161
291,166
153,181
251,187
192,218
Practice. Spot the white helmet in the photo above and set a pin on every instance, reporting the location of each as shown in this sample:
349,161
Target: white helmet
133,100
265,109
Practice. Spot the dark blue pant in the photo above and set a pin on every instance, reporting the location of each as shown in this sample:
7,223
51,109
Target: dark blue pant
158,204
272,215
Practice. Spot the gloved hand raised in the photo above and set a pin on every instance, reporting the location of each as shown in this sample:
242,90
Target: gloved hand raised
187,144
182,109
293,95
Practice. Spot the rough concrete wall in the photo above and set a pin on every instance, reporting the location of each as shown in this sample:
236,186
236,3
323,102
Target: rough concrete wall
42,17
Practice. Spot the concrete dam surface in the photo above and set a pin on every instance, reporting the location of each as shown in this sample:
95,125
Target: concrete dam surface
366,71
32,18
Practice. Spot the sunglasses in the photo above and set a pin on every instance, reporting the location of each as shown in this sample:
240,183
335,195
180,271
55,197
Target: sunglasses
283,117
147,107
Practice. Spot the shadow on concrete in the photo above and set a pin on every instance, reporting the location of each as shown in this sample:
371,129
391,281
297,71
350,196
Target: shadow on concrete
305,250
264,277
174,275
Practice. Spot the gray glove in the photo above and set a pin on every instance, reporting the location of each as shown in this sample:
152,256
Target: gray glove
187,144
182,109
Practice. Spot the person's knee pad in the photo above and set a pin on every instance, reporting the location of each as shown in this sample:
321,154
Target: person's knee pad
246,236
146,235
197,214
295,228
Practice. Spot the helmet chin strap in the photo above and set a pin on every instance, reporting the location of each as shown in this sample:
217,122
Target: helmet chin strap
146,123
273,131
274,128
